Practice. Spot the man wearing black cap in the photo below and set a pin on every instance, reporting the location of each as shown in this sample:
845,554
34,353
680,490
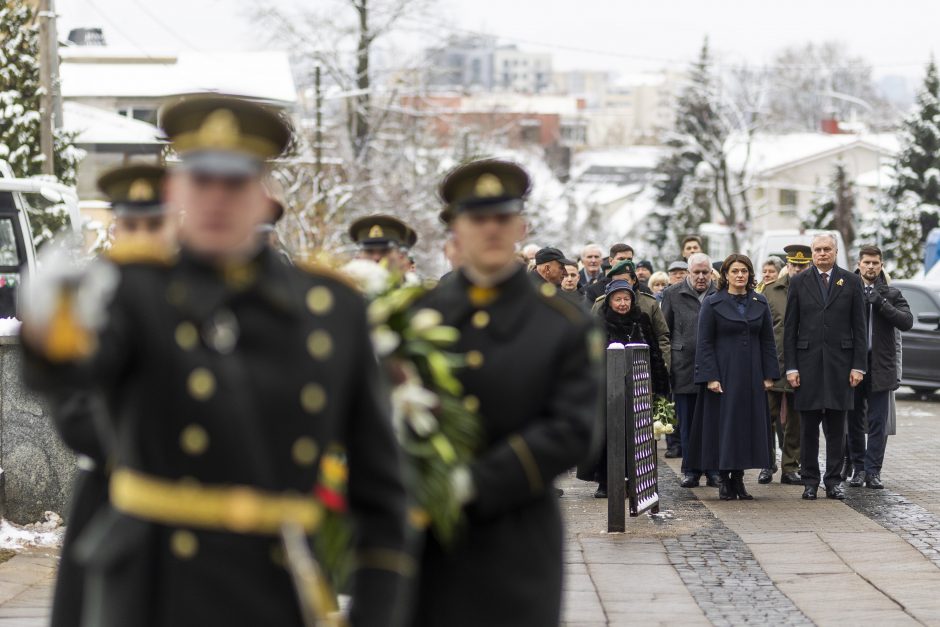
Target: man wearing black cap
644,270
384,239
550,265
784,418
532,376
231,375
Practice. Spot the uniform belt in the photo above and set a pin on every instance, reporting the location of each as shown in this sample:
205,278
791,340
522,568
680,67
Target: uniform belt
237,509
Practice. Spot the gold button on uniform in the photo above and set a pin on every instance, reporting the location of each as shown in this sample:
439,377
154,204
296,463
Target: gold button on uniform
319,300
320,345
194,440
201,384
186,335
183,544
480,319
313,398
548,289
471,403
474,359
304,451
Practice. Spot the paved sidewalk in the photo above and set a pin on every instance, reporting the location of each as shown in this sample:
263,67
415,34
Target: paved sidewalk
26,582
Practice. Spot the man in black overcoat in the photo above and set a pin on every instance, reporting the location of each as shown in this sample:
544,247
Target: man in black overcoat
825,353
532,375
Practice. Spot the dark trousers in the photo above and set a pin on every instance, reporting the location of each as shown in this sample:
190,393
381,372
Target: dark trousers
870,415
788,434
833,425
685,409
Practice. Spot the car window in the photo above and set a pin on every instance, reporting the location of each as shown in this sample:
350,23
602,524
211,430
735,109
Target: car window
10,264
920,302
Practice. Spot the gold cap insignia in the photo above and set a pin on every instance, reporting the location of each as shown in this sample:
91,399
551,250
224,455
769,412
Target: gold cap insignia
488,186
140,190
376,231
219,130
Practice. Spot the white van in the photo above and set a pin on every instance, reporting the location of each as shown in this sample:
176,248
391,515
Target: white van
772,243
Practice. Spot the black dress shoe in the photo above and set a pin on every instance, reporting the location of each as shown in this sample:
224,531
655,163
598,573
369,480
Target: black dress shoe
765,476
559,492
673,452
791,478
858,479
874,482
809,492
601,492
713,481
737,485
690,481
836,492
725,491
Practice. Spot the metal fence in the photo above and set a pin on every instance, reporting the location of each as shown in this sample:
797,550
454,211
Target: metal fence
630,439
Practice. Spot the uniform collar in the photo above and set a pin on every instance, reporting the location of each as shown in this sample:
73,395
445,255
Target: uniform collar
506,310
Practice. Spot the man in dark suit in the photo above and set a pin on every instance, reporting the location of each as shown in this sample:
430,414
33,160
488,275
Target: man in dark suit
885,311
532,375
825,349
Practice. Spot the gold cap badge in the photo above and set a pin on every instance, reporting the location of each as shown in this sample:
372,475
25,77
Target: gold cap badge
488,186
376,232
140,191
219,130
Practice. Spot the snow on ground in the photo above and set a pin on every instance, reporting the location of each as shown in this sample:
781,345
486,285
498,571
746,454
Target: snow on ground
45,533
9,326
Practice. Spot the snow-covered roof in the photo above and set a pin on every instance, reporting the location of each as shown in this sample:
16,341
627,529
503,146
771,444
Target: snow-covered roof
97,126
97,72
769,153
517,103
645,157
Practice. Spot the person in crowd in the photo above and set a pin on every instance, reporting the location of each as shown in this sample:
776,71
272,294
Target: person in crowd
678,271
771,270
197,350
385,240
644,270
785,420
532,376
886,312
736,361
623,322
690,245
570,282
619,252
825,347
591,260
140,221
549,269
528,253
642,301
658,282
681,305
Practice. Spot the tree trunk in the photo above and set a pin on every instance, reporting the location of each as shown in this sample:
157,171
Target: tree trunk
362,99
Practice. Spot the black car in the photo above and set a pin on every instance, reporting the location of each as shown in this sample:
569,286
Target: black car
921,345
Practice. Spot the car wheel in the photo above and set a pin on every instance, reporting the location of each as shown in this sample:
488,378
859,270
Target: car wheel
924,391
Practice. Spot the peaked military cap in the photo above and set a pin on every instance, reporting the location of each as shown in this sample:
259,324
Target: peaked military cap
382,231
487,185
134,190
799,254
224,135
622,267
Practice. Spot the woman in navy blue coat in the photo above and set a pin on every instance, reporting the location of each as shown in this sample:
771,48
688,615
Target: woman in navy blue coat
735,363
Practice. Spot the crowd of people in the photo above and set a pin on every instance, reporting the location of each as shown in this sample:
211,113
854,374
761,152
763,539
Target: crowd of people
219,392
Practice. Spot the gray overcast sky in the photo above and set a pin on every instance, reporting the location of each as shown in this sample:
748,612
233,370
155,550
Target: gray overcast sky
622,35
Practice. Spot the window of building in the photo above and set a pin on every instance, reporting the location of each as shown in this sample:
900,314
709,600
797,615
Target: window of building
788,199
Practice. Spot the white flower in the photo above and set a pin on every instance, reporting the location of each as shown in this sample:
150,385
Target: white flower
372,278
426,319
384,340
412,404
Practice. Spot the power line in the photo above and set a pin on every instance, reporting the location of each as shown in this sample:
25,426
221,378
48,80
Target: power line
117,28
164,26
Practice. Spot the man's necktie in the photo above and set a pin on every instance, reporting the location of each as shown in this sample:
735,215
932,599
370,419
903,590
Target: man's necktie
868,290
825,278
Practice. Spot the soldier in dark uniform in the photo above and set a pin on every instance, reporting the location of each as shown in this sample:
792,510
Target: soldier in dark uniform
383,238
136,195
230,374
532,374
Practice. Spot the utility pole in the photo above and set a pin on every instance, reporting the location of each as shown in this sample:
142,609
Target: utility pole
318,132
50,111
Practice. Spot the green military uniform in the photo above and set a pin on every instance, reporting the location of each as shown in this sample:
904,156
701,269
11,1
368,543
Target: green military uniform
228,383
532,376
789,432
133,191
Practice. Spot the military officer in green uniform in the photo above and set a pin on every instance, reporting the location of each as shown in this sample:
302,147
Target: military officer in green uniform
532,374
136,196
384,239
229,374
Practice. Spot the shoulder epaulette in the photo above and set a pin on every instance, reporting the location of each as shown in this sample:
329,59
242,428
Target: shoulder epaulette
140,250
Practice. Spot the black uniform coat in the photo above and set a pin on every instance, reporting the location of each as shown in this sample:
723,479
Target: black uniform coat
825,338
730,430
680,306
536,379
264,408
888,311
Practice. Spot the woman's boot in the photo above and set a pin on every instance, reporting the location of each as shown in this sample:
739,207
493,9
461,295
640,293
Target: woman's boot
601,492
737,485
725,490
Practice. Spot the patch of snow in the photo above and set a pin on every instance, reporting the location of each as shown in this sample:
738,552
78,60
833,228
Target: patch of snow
98,126
46,533
9,326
